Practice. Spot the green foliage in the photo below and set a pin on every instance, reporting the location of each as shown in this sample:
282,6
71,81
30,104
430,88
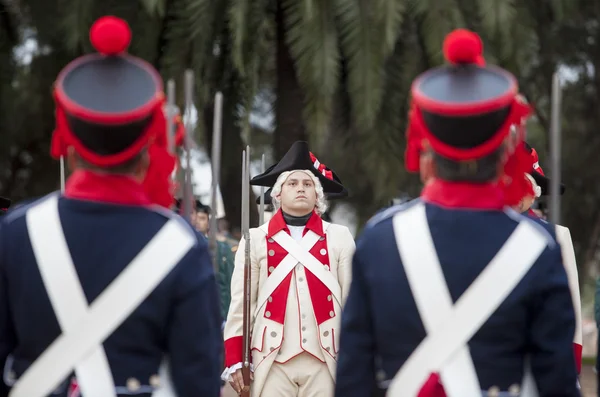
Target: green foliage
353,62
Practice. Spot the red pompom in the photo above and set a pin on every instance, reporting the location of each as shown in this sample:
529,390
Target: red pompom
110,35
463,47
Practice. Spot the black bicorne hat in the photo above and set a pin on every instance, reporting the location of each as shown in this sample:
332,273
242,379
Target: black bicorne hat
537,173
197,206
107,102
299,157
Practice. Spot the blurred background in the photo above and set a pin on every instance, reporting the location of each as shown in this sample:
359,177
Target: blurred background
333,72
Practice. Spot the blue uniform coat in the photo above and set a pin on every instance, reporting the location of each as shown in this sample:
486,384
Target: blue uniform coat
381,325
179,318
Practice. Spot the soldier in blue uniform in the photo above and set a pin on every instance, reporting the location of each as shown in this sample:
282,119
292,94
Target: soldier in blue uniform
104,293
455,294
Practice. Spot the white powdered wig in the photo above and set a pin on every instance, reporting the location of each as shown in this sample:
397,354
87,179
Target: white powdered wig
536,189
320,206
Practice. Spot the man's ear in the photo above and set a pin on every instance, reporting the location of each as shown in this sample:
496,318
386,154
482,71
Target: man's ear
72,162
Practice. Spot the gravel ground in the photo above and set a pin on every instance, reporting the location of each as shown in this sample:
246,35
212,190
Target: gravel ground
588,382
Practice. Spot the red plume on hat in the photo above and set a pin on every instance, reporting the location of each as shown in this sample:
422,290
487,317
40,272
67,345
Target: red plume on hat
464,111
109,107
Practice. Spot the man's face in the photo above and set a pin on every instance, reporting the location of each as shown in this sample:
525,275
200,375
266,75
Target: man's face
200,221
298,195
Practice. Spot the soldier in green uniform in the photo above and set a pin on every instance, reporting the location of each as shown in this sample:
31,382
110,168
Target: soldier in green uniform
225,251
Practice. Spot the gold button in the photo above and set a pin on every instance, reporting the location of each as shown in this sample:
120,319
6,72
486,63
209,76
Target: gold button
270,240
271,268
267,314
154,381
273,334
326,333
270,299
133,384
271,252
329,298
514,390
494,391
331,314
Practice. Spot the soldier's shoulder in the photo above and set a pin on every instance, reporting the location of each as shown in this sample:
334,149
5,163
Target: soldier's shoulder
544,228
386,214
19,212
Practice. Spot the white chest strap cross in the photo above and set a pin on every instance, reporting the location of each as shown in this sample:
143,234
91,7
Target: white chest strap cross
84,328
282,270
310,262
449,328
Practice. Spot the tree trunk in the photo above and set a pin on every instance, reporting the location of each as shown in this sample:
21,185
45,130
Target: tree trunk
231,163
289,104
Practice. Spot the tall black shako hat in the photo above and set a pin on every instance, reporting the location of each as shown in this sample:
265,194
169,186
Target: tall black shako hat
328,196
109,107
299,157
106,101
464,111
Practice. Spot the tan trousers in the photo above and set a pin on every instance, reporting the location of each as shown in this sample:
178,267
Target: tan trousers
302,376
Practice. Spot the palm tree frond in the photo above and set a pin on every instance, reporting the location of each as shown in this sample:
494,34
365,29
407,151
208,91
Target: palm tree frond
312,41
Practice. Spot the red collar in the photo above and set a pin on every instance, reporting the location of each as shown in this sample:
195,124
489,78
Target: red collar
463,195
277,224
105,188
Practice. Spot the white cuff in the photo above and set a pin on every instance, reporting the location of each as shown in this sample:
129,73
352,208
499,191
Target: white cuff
226,375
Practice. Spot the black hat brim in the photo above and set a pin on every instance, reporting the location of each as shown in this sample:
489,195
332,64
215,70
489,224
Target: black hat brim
544,183
297,158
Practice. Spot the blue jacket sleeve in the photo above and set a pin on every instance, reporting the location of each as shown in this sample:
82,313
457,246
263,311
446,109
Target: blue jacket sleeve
356,361
552,328
195,344
7,333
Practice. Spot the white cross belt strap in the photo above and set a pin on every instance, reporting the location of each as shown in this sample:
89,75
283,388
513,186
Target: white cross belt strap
84,328
310,262
282,270
445,348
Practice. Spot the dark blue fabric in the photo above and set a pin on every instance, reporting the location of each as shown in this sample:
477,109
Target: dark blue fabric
381,325
180,318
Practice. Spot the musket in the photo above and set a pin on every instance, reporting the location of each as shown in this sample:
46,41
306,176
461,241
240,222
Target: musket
555,151
170,115
261,212
247,319
62,174
187,203
216,167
